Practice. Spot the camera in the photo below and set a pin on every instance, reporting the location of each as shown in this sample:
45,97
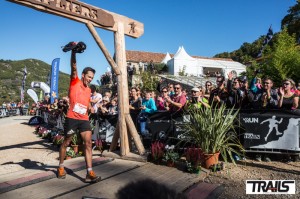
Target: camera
194,99
75,47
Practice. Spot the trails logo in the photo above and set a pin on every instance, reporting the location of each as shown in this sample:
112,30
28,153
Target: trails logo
251,136
270,187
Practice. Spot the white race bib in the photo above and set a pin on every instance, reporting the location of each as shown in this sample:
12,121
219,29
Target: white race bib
79,108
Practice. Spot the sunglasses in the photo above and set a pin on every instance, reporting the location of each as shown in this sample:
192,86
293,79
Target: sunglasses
194,91
164,91
177,88
208,85
286,83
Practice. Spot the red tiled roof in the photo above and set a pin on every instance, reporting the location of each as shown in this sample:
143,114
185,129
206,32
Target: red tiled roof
141,56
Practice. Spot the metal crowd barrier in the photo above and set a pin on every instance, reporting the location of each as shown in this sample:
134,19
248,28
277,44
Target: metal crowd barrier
4,112
260,131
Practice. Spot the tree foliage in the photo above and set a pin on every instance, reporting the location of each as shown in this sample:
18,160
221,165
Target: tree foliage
149,81
11,75
292,20
284,58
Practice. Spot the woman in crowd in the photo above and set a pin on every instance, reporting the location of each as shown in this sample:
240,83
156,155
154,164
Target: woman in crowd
208,89
161,102
288,99
104,106
134,101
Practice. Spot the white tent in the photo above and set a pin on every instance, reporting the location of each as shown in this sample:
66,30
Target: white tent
199,66
183,61
166,59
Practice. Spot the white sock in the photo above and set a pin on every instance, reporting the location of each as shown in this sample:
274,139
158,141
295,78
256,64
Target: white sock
89,169
61,165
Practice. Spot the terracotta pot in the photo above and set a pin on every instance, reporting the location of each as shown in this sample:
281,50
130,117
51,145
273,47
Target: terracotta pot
210,159
68,157
75,148
170,163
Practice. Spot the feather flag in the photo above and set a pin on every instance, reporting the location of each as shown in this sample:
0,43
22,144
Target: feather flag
23,83
33,95
267,39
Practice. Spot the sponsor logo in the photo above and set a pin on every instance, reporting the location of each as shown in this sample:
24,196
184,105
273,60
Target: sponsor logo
250,120
251,136
270,187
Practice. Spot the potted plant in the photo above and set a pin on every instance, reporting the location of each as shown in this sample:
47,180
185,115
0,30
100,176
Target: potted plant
157,151
70,153
193,159
208,129
74,142
170,156
58,139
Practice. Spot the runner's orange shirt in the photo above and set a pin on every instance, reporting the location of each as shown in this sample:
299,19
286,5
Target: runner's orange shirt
79,100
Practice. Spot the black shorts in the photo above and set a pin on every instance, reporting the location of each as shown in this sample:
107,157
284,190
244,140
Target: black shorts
72,125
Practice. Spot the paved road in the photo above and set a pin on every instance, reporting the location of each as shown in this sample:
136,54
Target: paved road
41,182
13,120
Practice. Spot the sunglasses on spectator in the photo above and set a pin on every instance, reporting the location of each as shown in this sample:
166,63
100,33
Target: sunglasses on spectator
176,88
208,84
164,91
286,83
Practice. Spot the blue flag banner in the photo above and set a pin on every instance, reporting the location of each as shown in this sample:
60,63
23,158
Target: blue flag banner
267,39
54,80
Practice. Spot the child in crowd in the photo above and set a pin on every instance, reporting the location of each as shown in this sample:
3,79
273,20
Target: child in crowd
113,107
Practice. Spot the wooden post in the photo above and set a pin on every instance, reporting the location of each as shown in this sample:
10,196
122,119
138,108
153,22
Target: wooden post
122,87
121,26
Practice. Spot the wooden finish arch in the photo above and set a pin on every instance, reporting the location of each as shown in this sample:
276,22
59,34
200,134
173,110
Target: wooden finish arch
95,17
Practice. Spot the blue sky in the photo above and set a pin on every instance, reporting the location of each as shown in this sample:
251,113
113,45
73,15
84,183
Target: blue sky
203,27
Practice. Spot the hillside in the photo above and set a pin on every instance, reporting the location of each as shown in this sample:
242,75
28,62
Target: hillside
11,75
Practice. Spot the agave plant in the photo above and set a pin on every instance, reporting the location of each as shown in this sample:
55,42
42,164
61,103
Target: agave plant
209,130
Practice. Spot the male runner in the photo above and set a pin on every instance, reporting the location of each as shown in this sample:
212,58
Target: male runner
78,119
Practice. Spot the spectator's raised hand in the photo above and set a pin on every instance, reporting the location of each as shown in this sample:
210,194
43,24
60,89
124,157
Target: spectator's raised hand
281,91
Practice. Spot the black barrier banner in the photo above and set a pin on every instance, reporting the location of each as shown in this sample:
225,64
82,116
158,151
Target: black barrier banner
160,125
270,130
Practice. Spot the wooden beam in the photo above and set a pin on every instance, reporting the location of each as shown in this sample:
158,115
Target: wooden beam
122,84
103,48
82,12
115,139
133,132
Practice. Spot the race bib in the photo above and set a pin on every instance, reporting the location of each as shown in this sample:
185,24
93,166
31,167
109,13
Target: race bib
79,108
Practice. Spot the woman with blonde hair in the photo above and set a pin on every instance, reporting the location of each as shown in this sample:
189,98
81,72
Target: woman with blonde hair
287,99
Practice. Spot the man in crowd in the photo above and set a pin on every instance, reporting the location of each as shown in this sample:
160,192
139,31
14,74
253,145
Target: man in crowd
176,101
235,94
197,99
77,118
219,95
265,97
